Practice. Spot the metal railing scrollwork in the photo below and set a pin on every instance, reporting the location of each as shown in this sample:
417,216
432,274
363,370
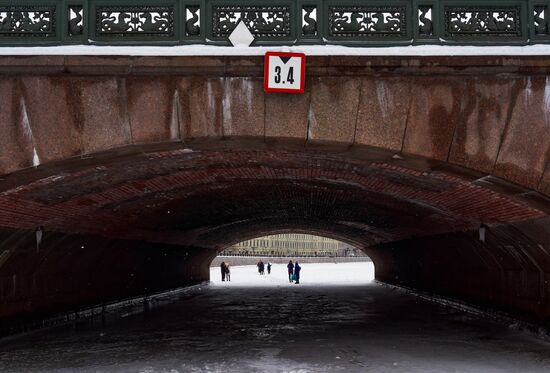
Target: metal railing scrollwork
275,22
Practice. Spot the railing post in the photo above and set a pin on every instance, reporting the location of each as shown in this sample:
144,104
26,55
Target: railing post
194,21
538,19
309,22
426,21
74,21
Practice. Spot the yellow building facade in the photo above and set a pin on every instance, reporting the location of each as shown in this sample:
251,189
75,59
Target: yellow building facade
292,244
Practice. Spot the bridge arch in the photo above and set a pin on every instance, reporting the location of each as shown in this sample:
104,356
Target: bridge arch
136,192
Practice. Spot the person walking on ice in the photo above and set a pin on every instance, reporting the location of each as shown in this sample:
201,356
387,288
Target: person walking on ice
290,268
297,270
227,272
223,270
268,268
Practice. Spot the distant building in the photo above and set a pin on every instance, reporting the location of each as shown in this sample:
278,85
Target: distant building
292,244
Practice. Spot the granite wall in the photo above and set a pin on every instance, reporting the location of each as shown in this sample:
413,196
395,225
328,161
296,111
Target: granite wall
125,160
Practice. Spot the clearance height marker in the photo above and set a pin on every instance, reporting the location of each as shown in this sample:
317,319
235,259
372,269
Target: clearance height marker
284,72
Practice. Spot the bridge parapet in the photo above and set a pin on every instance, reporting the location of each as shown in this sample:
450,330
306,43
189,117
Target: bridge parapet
281,22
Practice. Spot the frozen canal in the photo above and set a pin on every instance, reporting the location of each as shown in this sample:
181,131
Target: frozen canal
336,320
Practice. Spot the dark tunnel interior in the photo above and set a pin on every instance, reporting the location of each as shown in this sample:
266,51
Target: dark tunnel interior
140,220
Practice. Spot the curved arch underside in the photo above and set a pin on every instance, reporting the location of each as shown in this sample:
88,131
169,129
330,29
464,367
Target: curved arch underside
188,197
147,218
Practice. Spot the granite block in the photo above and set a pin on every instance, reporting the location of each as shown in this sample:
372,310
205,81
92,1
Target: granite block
153,109
333,109
200,109
435,111
383,110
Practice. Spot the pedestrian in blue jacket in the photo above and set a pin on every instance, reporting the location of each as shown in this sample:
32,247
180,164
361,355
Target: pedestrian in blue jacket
297,270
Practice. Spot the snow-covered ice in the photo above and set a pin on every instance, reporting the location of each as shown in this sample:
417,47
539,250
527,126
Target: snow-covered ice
317,274
337,320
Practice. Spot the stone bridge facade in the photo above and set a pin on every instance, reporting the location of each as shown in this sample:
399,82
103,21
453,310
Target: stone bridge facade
138,170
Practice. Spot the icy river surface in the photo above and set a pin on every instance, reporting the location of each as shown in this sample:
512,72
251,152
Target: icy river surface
335,320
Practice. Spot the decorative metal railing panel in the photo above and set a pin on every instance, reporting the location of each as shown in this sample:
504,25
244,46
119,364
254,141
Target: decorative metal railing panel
366,21
275,22
483,21
135,20
26,20
262,21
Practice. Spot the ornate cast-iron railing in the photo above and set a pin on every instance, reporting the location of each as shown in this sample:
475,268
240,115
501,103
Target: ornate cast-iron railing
275,22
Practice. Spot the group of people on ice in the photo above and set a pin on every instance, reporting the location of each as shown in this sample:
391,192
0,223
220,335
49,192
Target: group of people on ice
293,272
261,268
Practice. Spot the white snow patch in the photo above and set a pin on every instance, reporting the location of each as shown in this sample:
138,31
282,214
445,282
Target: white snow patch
27,130
248,93
174,122
25,120
35,159
528,89
312,50
210,94
312,122
226,109
547,98
385,99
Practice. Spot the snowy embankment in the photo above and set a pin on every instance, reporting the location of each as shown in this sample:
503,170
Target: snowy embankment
311,275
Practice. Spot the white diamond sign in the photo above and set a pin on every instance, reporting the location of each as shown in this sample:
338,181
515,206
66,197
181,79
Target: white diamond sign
241,36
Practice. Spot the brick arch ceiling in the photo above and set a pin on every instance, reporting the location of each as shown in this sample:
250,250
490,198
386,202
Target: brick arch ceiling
214,196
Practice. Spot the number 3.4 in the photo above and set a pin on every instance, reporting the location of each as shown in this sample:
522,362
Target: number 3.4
289,77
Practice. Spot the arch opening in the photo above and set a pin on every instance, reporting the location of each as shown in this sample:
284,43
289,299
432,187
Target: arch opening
144,220
273,257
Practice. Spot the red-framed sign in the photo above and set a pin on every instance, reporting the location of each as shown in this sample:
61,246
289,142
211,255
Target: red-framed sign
284,72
